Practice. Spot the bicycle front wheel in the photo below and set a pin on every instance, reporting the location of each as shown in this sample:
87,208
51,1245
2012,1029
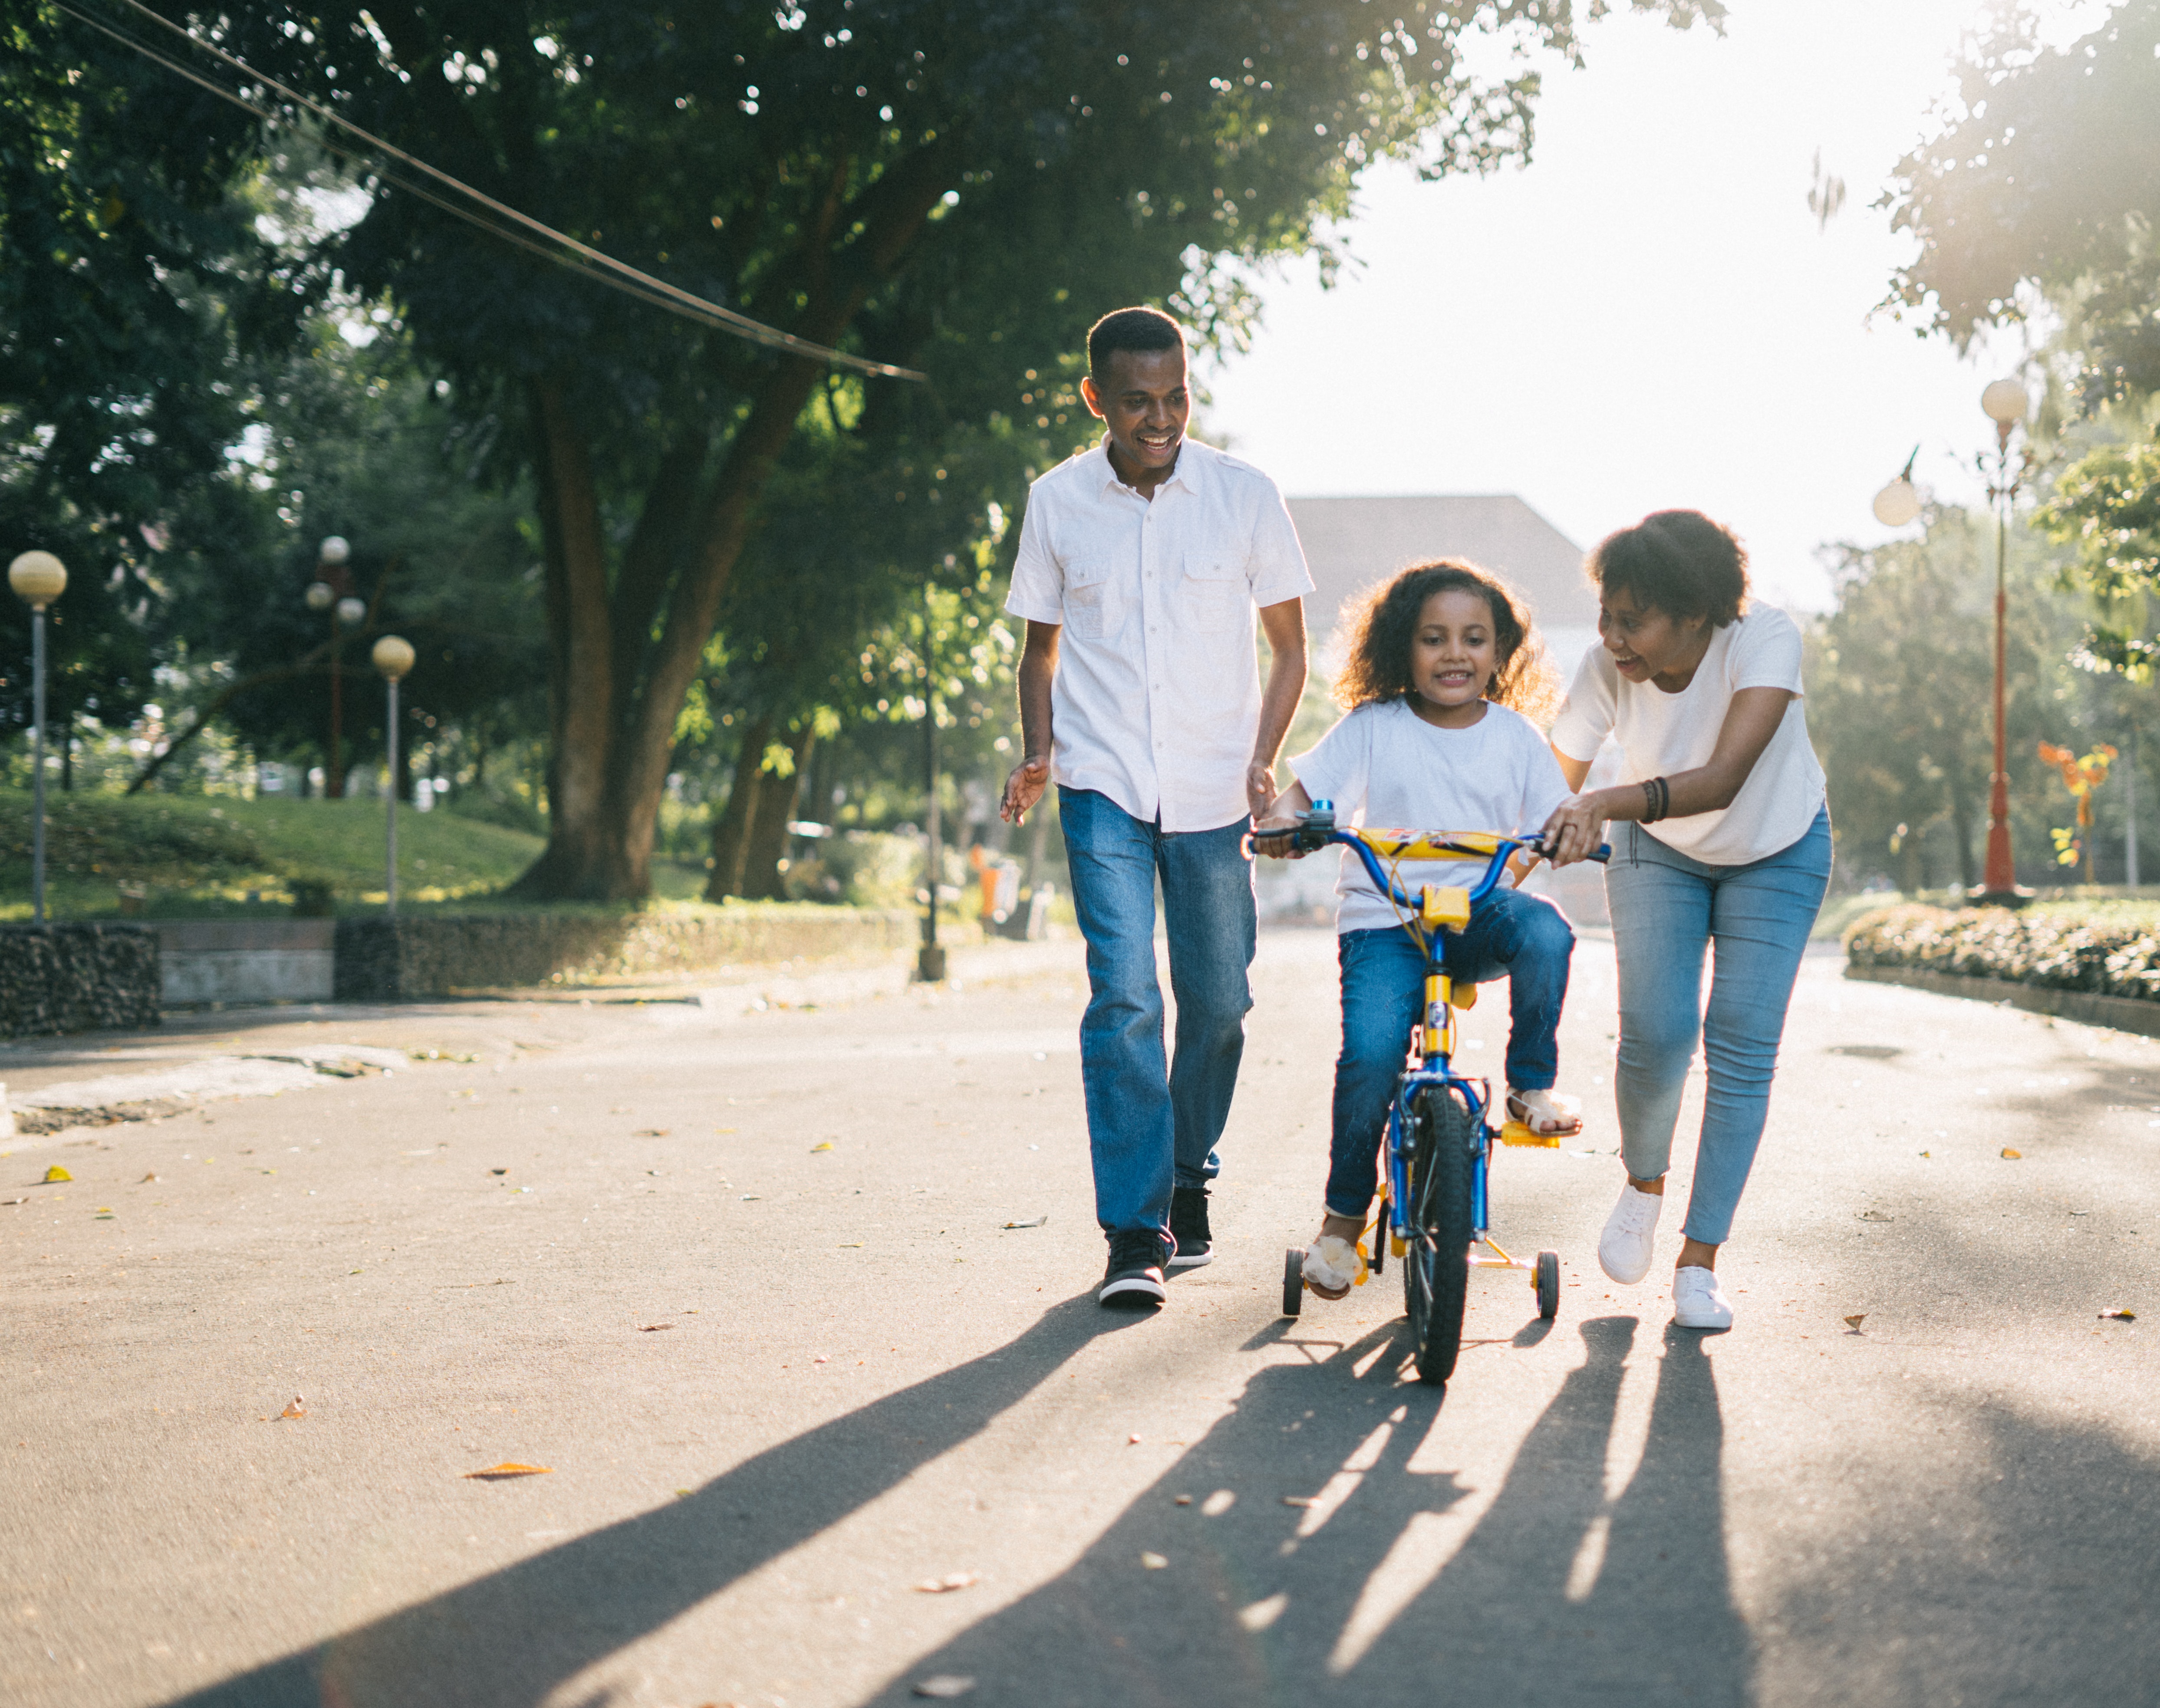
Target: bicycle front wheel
1436,1266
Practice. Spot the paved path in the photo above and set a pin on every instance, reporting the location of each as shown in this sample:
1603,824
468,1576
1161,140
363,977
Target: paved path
741,1279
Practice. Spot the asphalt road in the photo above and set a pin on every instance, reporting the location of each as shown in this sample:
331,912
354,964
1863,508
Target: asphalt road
741,1279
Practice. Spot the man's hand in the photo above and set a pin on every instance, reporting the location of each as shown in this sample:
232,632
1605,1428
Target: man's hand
1259,788
1025,787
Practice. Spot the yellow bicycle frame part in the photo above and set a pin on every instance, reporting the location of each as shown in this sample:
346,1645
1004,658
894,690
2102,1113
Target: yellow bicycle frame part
1436,1037
1429,844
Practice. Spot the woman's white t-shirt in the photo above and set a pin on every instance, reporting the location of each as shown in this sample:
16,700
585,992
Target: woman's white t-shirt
1662,733
1385,766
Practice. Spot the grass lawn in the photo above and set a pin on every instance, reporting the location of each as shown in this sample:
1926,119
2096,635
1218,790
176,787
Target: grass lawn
201,857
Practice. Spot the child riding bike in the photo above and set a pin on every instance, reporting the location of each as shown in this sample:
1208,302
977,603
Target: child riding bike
1443,665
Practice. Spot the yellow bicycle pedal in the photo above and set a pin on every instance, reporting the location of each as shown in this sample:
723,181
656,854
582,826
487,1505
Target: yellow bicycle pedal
1519,1133
1398,1244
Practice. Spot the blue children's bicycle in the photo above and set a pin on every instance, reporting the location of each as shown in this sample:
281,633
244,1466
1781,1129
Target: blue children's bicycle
1433,1201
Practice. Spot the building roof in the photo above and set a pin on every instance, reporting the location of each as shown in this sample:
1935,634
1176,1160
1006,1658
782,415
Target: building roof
1351,542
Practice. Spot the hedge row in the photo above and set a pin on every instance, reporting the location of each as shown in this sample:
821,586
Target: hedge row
431,954
77,979
2051,951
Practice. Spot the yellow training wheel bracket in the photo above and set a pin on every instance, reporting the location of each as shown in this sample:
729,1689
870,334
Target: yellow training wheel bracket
1519,1133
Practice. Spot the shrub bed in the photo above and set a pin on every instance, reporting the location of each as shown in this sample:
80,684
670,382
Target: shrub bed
429,954
2047,949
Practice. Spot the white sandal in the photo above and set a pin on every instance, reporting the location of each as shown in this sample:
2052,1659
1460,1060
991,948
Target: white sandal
1547,1113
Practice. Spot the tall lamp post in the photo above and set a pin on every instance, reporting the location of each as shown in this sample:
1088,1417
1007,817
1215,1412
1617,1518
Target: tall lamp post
394,657
39,577
327,592
2004,403
930,960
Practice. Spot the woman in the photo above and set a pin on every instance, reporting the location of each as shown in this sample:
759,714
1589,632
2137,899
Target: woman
1720,835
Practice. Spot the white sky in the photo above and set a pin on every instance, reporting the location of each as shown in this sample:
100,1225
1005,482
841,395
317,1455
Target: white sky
1647,316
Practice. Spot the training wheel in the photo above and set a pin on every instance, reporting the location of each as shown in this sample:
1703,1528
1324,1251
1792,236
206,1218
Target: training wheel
1548,1285
1293,1280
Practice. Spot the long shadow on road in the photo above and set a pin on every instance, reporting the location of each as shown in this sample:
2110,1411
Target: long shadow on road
506,1641
1377,1594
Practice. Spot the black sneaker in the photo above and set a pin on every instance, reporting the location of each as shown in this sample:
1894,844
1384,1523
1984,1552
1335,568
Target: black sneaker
1134,1280
1188,1228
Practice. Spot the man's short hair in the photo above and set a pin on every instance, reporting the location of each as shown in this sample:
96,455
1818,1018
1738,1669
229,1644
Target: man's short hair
1136,329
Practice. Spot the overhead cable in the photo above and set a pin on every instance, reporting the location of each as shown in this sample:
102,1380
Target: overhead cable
545,240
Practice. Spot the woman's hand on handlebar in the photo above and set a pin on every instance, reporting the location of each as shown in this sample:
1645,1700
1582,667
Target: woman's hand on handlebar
1575,830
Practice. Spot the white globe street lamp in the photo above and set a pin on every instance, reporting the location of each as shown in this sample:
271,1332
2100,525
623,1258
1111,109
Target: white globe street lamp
1899,502
39,577
393,657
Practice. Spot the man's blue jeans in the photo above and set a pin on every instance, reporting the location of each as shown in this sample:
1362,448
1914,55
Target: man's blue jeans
1667,909
1152,1123
1519,937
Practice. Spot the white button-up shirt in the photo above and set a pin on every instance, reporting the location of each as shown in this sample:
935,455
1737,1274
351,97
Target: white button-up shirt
1156,702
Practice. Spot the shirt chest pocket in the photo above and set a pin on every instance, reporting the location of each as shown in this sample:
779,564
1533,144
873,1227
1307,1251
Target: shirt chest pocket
1091,599
1212,595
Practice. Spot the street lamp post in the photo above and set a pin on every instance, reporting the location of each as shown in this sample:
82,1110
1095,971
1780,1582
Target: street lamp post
930,961
2004,403
394,657
328,593
39,577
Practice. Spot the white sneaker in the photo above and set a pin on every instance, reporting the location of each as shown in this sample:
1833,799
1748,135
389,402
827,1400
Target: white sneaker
1698,1301
1623,1249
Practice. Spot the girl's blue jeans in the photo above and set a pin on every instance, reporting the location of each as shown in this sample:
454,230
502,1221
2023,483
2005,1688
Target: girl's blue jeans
1522,938
1667,909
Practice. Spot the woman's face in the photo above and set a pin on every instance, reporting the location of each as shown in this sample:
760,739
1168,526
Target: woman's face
1646,642
1454,651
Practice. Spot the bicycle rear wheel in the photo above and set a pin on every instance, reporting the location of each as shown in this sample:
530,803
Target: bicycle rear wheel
1436,1266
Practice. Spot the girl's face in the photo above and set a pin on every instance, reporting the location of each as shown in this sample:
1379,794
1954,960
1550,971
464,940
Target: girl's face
1454,652
1646,642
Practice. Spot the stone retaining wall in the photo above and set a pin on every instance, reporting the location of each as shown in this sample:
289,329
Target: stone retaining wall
77,979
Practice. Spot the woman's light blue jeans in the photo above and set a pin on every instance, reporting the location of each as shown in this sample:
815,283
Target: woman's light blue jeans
1666,910
1153,1123
1522,938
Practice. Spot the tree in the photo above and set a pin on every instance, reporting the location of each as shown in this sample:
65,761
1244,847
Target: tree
959,187
128,277
2046,180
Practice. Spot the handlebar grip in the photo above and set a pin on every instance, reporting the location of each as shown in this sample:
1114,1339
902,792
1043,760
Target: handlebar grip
1604,853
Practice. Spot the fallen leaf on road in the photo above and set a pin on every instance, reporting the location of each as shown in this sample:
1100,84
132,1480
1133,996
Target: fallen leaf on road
1184,1500
946,1584
298,1408
14,1201
851,1245
823,1144
498,1473
943,1686
652,1133
655,1327
498,1170
56,1174
1300,1500
1876,1216
751,1197
2118,1316
1039,1221
1854,1322
146,1179
1132,1440
2013,1155
1153,1562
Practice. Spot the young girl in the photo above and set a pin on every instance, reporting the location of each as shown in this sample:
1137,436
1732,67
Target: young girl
1443,664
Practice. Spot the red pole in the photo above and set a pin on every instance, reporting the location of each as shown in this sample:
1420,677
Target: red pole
2001,879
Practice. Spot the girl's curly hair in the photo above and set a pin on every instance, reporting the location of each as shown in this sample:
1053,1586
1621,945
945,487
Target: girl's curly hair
1381,623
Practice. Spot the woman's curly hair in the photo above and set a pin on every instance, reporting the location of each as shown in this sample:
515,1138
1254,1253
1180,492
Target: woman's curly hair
1381,623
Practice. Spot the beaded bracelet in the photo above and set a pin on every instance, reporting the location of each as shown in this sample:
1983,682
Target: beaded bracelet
1657,799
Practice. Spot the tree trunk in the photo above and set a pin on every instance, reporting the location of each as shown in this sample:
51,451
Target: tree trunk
615,696
762,879
731,829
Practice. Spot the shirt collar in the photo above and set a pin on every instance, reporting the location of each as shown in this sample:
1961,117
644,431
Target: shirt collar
1187,474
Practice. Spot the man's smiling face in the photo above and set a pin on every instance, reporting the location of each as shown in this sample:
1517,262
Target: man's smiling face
1143,402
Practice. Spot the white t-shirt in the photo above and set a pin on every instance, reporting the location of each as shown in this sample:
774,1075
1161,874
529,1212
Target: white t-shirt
1662,733
1156,701
1385,766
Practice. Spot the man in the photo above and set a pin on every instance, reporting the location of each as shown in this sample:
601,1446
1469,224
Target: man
1141,562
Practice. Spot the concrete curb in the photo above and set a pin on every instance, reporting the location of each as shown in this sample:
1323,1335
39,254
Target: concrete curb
2121,1013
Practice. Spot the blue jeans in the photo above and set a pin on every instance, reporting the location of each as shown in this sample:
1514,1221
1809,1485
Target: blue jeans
1666,910
1152,1123
1522,937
